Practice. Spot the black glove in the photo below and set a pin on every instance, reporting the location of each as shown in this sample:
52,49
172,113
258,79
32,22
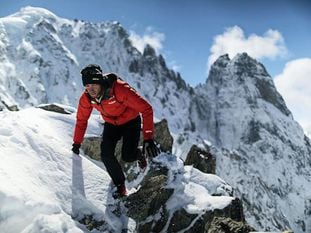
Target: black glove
75,148
150,149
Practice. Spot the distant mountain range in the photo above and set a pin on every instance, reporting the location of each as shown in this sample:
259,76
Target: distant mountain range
261,150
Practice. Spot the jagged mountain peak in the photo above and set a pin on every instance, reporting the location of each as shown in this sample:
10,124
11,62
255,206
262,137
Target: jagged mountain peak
221,61
244,63
149,51
246,115
244,58
247,78
32,14
240,64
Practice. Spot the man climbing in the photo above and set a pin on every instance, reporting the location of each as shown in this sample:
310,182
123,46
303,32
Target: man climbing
120,106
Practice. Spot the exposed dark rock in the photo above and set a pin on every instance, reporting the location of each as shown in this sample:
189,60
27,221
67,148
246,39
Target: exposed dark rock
222,61
92,224
230,219
234,212
151,197
9,107
163,136
252,135
149,51
227,225
269,93
91,147
134,66
201,159
181,220
54,108
148,208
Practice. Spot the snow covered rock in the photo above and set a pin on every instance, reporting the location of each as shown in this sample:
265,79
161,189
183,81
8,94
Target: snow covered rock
55,108
201,159
164,193
163,136
169,195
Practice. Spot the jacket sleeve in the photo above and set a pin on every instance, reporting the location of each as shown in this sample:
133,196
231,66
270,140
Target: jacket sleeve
83,114
130,98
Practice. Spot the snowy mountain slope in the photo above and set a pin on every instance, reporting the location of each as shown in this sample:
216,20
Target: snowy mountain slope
36,173
267,157
43,55
42,185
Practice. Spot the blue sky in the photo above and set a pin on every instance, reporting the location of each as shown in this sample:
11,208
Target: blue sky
192,34
185,30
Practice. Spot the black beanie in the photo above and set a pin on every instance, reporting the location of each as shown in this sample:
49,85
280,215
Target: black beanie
92,74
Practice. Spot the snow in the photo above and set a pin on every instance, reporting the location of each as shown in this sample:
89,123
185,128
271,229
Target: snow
36,169
197,187
17,24
42,184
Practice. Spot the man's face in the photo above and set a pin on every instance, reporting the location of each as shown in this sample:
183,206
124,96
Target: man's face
94,90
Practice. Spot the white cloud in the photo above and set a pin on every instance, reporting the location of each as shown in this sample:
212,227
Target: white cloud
151,37
174,66
233,41
294,84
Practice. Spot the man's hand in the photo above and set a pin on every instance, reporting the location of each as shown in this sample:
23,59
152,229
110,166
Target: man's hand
75,148
150,149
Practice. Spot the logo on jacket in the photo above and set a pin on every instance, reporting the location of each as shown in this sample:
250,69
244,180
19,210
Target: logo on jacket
112,102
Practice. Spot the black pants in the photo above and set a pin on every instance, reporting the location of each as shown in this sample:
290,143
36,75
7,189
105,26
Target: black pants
130,132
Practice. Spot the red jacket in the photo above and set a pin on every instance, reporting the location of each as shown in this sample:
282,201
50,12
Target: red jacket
123,105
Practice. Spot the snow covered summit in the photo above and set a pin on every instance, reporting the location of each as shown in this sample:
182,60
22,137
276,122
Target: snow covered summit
266,155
